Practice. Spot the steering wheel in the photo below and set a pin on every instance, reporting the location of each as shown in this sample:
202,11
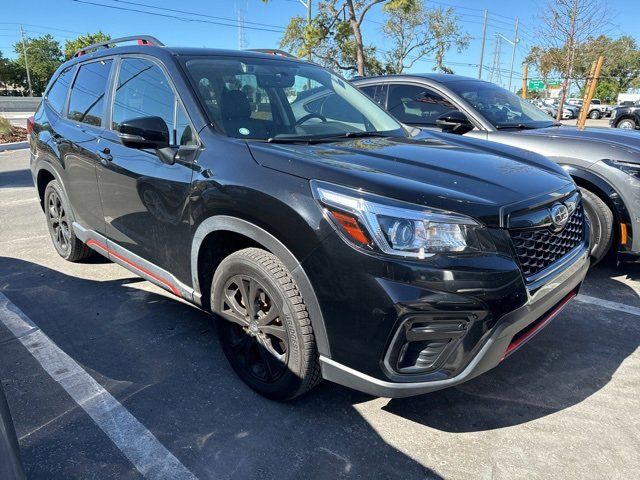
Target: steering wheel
310,116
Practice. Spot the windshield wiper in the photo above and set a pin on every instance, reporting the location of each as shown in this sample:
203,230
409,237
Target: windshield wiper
521,126
331,138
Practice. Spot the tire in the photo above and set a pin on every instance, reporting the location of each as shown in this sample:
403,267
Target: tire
595,115
626,124
601,221
272,351
60,220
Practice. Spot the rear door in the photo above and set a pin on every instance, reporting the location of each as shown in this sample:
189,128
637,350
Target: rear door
146,201
78,139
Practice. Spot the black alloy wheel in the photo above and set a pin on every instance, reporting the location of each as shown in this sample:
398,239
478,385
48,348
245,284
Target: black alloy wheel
58,222
264,325
258,337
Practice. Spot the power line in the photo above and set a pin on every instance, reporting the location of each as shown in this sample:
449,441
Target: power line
174,17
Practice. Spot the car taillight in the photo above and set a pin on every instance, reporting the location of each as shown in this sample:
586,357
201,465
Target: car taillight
30,123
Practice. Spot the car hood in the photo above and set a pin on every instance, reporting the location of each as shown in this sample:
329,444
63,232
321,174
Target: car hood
591,144
427,171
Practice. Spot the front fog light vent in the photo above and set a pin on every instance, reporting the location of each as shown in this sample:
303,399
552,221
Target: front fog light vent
422,343
420,356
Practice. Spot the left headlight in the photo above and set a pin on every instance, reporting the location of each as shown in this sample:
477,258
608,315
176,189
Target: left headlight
627,167
397,228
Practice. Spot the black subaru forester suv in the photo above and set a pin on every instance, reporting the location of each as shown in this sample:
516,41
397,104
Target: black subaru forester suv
329,240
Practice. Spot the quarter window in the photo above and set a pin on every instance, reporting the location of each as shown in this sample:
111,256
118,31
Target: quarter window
417,105
143,90
86,103
57,95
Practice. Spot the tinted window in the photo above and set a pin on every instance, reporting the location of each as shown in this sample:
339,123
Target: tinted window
257,98
376,92
417,105
86,104
57,94
143,90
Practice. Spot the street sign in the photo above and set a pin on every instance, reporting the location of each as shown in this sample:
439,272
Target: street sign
536,85
554,83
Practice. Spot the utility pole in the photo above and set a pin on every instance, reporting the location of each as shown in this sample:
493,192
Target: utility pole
590,89
307,5
484,39
26,64
525,80
495,75
513,54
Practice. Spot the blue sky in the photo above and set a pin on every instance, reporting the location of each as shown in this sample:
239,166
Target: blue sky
263,24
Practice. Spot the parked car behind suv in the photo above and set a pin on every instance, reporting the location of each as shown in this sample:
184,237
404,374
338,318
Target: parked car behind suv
626,117
604,163
329,244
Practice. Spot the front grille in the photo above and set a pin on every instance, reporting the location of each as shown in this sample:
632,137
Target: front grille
539,248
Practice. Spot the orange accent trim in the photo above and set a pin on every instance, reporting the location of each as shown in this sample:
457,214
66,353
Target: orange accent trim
624,238
351,227
162,281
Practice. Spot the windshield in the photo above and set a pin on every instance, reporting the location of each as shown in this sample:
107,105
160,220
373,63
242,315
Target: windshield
279,100
499,106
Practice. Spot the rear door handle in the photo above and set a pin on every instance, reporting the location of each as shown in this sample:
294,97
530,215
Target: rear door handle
105,156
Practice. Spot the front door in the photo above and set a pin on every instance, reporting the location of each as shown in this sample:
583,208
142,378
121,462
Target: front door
146,201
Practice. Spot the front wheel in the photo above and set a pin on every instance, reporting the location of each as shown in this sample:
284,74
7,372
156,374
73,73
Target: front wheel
264,325
601,221
595,115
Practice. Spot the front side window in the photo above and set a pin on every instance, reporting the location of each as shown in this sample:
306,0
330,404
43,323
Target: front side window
57,95
272,99
502,108
143,90
417,105
86,103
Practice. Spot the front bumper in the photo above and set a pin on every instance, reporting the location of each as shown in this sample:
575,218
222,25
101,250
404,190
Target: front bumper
509,333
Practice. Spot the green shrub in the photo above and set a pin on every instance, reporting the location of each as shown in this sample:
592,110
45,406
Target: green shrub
5,126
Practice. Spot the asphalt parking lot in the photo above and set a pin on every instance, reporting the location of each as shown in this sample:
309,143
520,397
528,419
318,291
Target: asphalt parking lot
566,405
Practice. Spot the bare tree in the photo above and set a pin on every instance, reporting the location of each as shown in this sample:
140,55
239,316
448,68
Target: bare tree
566,25
417,32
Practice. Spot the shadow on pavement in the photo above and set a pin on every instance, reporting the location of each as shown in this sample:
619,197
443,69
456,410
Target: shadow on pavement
160,358
571,359
16,178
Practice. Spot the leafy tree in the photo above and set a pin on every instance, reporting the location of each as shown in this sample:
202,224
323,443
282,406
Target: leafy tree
621,68
44,57
417,32
334,36
72,46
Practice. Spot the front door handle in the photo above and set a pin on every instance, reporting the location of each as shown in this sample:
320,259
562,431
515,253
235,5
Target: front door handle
105,156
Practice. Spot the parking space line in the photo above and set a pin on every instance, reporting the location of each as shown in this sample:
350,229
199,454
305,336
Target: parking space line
620,307
137,443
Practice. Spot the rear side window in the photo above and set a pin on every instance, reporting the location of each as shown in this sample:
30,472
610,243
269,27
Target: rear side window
377,92
86,103
143,90
57,95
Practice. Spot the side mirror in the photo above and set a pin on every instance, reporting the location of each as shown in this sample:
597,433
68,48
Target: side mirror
144,132
454,121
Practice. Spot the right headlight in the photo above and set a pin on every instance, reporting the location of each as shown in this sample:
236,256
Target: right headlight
397,228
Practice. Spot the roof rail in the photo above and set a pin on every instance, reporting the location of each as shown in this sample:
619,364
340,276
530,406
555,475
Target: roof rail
272,51
141,39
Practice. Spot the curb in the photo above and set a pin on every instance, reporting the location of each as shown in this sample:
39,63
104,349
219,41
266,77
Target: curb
13,146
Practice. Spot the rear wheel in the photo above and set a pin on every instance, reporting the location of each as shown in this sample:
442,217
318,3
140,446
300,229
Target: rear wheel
263,324
626,124
601,221
60,223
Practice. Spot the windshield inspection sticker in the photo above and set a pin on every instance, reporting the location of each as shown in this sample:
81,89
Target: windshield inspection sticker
244,131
